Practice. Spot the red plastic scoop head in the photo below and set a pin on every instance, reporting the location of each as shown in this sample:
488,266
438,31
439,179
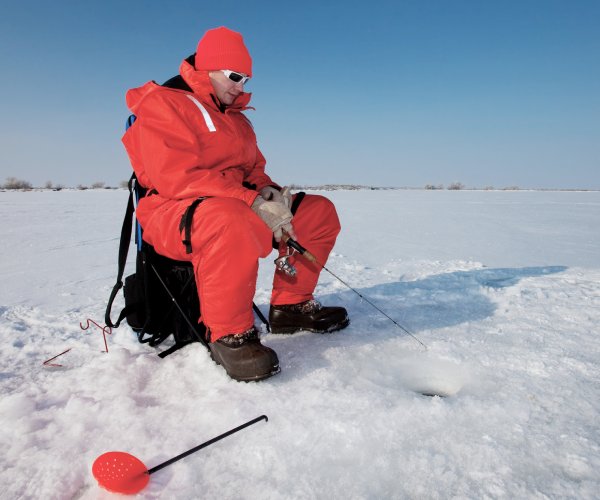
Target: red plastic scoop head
120,472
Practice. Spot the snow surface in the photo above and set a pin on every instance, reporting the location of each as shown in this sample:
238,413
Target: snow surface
503,287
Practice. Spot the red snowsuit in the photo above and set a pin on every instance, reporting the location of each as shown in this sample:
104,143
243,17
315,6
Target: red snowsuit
183,146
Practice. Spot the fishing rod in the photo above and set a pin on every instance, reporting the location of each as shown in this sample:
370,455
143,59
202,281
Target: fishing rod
285,266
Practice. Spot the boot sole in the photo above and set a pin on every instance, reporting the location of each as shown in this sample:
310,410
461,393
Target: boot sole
253,378
296,329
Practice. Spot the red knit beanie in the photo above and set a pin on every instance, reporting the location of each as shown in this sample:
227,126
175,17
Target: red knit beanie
222,48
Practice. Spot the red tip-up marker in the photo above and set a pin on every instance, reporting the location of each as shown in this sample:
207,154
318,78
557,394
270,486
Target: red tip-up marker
120,472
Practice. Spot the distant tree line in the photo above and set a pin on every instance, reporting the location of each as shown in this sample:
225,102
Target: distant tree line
458,186
12,183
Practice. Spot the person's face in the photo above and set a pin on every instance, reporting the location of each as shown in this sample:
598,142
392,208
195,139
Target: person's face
227,90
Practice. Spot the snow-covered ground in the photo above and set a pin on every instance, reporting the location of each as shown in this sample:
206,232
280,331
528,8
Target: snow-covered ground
503,287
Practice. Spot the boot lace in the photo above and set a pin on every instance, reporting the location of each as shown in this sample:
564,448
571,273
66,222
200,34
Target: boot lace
307,307
238,339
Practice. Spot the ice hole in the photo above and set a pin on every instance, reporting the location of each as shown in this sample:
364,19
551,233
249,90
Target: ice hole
431,377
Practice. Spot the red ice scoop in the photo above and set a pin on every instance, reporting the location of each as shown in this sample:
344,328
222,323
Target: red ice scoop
120,472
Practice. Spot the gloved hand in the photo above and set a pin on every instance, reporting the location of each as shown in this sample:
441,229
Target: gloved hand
275,215
269,193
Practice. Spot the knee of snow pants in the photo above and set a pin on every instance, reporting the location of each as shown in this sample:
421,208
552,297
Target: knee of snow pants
317,225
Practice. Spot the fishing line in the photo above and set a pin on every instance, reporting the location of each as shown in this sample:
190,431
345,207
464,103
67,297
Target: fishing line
310,257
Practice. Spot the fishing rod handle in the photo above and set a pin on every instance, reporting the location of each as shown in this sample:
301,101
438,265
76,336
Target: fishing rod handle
292,243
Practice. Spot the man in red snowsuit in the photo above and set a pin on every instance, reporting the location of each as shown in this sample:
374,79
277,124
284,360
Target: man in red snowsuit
191,140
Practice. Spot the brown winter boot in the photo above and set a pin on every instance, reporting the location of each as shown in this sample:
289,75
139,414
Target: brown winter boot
310,316
244,357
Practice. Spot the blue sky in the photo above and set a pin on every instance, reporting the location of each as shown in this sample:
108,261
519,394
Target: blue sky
402,93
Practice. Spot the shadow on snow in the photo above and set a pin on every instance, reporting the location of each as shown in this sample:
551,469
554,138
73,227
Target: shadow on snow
437,301
434,302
